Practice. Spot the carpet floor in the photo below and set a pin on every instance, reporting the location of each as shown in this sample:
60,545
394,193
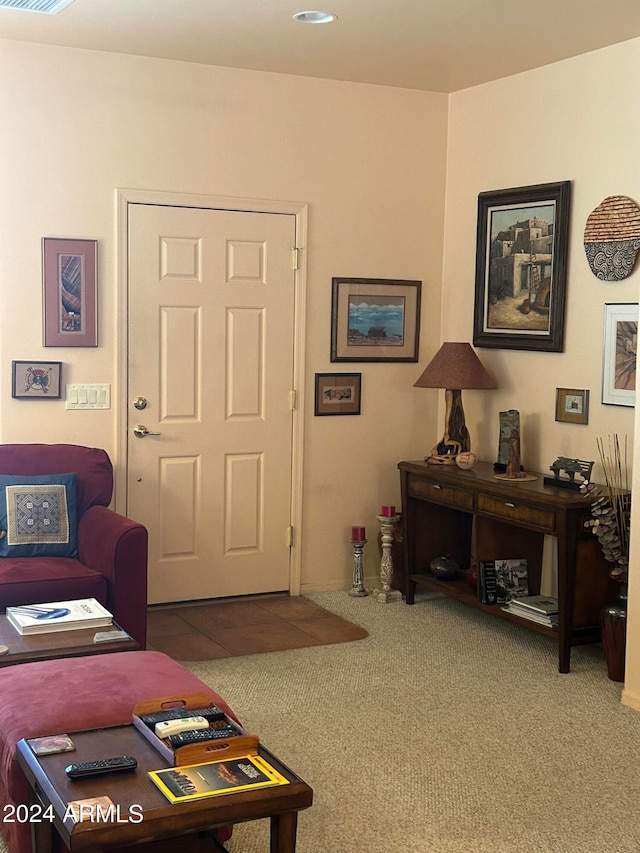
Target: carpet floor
247,626
446,730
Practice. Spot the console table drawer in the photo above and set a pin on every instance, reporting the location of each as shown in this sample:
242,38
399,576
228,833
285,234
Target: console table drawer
441,493
511,510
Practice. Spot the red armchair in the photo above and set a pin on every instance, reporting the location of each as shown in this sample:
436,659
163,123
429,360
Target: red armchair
111,563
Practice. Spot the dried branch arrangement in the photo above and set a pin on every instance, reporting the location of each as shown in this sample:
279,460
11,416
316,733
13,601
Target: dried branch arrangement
611,506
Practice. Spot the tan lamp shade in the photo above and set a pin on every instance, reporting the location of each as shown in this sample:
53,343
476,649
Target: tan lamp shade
453,367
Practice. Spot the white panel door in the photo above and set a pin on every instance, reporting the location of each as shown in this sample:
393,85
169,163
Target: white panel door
210,370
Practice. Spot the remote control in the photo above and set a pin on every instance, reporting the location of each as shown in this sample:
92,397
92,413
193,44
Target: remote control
197,736
110,636
174,727
212,714
103,765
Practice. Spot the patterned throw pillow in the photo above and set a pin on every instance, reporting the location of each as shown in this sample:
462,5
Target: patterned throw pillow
38,516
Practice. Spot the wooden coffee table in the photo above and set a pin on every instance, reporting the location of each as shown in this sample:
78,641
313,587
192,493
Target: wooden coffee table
161,820
56,644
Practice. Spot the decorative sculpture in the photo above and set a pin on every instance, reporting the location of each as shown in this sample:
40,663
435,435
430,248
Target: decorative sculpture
509,425
508,462
569,467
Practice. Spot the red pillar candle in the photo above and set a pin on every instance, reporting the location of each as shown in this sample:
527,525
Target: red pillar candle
388,511
357,534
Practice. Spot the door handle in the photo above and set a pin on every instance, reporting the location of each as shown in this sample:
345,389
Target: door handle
140,431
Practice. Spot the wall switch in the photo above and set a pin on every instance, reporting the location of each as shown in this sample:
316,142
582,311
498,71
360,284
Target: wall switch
88,396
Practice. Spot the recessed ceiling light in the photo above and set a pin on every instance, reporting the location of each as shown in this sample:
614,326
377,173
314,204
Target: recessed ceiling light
315,17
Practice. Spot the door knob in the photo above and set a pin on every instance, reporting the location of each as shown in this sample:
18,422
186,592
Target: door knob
140,431
140,403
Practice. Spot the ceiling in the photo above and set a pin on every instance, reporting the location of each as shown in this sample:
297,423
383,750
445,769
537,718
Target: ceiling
434,45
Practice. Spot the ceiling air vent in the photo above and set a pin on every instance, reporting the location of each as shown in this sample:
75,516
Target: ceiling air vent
49,7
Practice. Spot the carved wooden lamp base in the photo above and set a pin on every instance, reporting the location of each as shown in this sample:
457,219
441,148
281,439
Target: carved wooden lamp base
456,438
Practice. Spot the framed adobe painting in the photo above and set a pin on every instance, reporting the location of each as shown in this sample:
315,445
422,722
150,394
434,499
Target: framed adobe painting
69,270
375,319
521,267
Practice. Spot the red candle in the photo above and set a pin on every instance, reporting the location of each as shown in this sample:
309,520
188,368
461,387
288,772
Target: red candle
357,534
388,511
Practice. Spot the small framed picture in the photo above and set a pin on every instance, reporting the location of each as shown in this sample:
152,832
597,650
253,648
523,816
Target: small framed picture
620,344
572,405
338,393
69,270
36,380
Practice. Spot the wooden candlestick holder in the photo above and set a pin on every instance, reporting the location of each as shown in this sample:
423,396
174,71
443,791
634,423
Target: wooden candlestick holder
358,590
385,594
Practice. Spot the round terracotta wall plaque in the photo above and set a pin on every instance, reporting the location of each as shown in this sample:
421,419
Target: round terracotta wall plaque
612,238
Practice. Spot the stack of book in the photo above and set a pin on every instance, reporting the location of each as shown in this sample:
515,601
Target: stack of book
542,609
58,616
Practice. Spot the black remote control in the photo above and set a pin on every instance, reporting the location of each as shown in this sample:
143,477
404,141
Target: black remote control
212,714
199,735
103,765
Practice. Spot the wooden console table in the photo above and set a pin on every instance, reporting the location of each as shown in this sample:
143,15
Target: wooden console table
474,517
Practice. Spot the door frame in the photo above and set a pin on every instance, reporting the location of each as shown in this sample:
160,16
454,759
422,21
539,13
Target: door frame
126,197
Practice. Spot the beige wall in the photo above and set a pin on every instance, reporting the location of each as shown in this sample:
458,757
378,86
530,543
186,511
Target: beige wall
574,121
368,160
371,162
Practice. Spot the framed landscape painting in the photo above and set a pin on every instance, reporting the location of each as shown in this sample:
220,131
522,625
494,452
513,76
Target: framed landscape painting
375,319
521,267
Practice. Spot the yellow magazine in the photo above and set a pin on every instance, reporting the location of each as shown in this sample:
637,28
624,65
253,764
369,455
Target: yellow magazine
212,778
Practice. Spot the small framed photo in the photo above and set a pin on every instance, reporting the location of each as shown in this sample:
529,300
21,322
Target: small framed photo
572,405
36,380
521,267
375,319
69,271
338,393
620,345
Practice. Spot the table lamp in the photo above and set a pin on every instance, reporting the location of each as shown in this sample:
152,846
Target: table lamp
455,366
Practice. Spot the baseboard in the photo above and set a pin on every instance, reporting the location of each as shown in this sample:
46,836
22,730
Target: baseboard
631,700
323,587
370,583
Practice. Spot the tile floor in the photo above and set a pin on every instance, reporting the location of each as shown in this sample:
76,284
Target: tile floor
244,626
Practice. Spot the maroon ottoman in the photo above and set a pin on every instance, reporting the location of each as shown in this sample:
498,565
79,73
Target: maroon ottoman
67,695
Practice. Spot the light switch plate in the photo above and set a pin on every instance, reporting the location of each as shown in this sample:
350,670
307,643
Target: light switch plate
88,396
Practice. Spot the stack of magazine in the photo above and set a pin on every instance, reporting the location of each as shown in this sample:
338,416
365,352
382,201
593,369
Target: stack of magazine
211,778
542,609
